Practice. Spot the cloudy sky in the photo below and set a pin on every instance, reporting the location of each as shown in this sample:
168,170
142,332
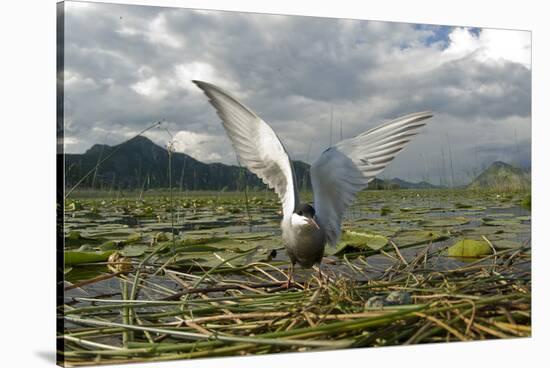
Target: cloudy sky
129,66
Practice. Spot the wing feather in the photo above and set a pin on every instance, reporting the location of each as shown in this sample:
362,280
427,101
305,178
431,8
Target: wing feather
347,167
256,144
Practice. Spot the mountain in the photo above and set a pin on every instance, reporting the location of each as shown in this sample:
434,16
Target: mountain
140,163
380,184
502,176
396,183
403,184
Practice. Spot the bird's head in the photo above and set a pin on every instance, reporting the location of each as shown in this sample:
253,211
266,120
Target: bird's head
304,216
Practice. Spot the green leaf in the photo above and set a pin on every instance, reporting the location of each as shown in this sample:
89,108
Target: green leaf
75,238
86,248
384,211
360,240
500,222
200,240
417,237
197,248
133,250
110,245
73,257
526,202
470,248
135,237
506,244
445,222
252,236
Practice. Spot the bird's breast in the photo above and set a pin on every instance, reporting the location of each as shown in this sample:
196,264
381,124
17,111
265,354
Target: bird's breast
304,244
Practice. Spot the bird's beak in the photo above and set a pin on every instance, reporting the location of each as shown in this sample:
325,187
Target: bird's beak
312,223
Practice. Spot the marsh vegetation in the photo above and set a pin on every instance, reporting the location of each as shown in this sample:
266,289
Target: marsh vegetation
149,277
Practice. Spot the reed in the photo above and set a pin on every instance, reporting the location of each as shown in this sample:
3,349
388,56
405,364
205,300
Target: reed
214,315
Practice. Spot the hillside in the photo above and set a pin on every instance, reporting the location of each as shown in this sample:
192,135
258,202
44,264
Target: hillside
403,184
502,176
140,163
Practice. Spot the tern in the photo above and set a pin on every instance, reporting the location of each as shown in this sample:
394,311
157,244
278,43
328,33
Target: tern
339,173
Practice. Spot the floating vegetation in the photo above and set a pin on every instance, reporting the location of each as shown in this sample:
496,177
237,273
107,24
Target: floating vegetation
445,222
411,267
360,240
74,257
469,248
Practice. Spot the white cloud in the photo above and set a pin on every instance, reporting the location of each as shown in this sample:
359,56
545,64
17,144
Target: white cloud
74,80
492,45
513,46
201,146
78,7
68,143
292,71
156,33
149,87
198,70
160,34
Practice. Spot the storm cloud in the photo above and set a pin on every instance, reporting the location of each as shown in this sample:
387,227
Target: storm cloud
128,66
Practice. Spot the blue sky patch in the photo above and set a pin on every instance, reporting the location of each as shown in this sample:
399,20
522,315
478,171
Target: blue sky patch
439,34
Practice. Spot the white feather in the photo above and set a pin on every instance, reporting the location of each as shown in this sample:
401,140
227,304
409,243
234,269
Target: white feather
256,144
347,167
298,221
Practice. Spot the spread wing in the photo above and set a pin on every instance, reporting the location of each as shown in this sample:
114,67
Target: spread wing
256,144
347,167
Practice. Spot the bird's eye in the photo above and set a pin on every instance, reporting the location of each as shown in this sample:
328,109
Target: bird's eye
300,213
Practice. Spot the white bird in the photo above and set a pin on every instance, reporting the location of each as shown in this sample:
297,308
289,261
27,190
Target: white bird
337,175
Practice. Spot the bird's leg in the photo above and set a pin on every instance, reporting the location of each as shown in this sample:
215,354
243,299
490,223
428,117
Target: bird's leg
290,279
321,278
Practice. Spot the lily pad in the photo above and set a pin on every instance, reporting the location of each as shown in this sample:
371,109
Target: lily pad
85,248
480,230
445,222
506,244
75,238
74,257
417,237
133,250
105,233
252,236
199,248
360,240
384,211
500,222
406,209
110,245
526,202
135,237
470,248
199,240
